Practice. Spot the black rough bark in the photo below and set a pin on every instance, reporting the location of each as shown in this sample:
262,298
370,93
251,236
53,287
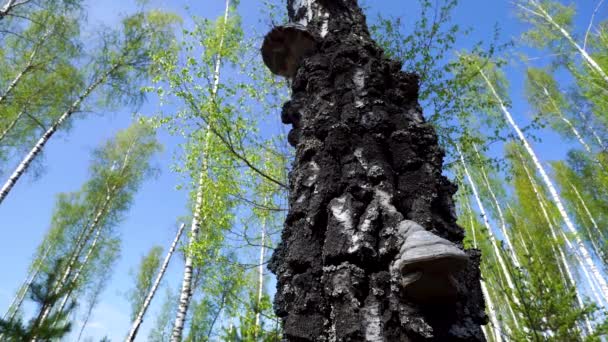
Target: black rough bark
365,161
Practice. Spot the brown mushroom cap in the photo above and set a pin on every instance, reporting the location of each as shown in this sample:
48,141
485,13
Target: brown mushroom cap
284,46
429,287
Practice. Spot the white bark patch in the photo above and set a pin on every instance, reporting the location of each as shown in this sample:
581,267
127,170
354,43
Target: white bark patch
342,213
359,154
324,22
372,321
359,79
385,201
301,198
312,173
306,4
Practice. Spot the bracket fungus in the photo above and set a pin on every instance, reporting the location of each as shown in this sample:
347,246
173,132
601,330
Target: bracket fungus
284,46
426,264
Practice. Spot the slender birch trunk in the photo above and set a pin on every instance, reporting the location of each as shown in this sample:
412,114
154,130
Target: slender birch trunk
161,272
499,257
542,13
11,125
25,163
186,290
83,264
85,321
7,7
568,123
587,212
563,259
495,323
23,290
28,67
260,278
589,262
501,217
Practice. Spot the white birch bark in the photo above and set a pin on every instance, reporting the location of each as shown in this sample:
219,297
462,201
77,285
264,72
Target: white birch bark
589,262
9,5
161,272
497,252
83,264
186,289
495,323
25,163
587,212
501,217
543,14
260,277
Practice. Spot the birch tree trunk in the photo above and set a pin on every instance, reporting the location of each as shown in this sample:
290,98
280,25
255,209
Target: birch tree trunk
588,212
582,249
25,163
260,278
365,162
87,232
26,69
501,217
24,289
562,255
497,251
540,12
159,277
495,325
9,5
83,264
186,290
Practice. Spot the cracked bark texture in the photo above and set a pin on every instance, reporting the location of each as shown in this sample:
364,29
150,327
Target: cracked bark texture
365,161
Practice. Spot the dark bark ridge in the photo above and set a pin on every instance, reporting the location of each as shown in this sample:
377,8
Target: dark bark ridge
366,160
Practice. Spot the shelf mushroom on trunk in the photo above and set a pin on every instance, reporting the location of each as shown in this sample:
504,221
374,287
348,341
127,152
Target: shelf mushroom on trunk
284,47
371,249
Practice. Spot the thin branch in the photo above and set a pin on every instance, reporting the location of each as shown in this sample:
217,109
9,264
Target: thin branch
597,8
230,146
256,204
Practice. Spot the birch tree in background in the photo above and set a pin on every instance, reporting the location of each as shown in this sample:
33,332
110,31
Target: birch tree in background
84,224
37,75
583,186
123,61
146,286
553,20
545,96
533,217
207,161
143,279
489,76
553,29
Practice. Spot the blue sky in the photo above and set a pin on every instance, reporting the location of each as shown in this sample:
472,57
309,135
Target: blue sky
25,214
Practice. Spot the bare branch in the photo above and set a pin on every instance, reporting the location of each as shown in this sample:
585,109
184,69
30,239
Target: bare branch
597,8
